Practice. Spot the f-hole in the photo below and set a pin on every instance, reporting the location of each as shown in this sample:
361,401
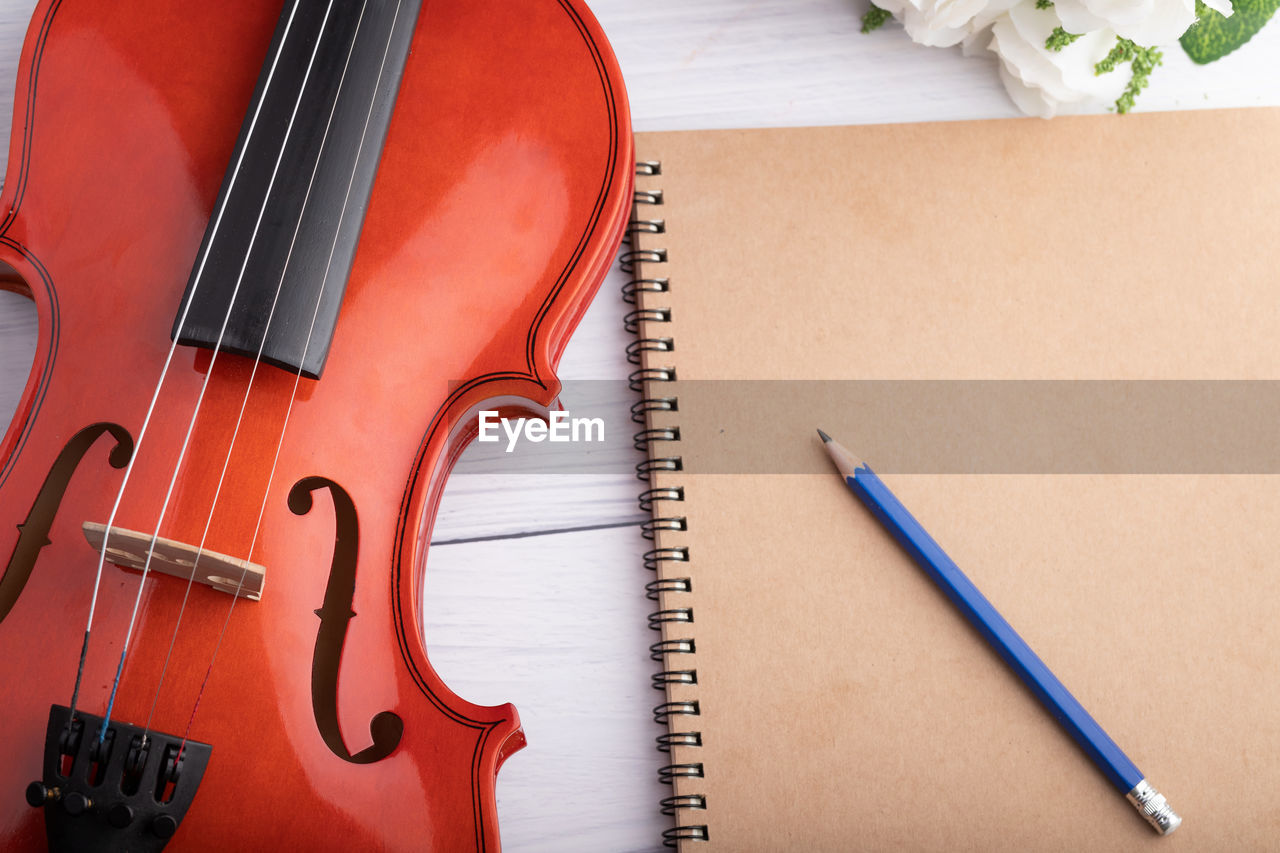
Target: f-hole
34,532
386,727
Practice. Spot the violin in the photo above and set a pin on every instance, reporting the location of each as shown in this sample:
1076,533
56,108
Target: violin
281,254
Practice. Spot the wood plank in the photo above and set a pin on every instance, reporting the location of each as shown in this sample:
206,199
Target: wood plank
556,624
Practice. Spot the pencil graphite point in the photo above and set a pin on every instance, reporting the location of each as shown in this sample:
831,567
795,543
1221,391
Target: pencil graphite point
845,461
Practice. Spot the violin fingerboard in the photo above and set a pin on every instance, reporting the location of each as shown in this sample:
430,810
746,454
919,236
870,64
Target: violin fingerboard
273,266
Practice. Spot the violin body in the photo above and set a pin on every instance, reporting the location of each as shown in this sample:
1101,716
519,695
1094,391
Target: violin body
501,196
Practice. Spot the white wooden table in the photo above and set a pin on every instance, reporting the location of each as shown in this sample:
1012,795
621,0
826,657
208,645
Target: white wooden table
535,588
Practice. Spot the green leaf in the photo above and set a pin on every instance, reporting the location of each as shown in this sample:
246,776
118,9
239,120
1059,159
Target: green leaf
1060,38
1214,36
1142,61
874,18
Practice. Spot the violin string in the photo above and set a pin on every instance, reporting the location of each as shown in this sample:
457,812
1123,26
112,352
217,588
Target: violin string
226,462
275,461
164,371
182,452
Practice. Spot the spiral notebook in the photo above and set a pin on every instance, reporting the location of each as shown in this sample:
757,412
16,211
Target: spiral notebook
817,692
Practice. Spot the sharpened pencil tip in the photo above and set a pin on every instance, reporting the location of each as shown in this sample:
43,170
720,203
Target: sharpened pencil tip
846,463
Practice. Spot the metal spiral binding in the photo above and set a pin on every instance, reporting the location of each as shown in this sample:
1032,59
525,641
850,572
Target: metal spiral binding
658,618
664,677
648,496
688,801
671,652
643,345
659,650
664,555
654,588
685,832
649,374
649,528
674,771
647,226
663,712
632,321
665,742
628,259
668,463
653,404
646,285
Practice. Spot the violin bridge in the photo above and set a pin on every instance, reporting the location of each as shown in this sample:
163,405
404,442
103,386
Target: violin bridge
128,549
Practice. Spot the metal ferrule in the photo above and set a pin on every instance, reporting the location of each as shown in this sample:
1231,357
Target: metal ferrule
1152,805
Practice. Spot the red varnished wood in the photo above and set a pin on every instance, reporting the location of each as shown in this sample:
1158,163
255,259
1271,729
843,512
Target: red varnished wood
500,199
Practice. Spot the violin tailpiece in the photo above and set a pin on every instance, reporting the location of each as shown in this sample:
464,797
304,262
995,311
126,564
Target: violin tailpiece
117,787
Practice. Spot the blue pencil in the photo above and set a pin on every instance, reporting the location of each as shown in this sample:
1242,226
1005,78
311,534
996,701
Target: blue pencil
1110,759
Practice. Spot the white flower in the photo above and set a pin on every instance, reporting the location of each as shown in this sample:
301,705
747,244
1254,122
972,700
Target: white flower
1146,22
1040,79
942,23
